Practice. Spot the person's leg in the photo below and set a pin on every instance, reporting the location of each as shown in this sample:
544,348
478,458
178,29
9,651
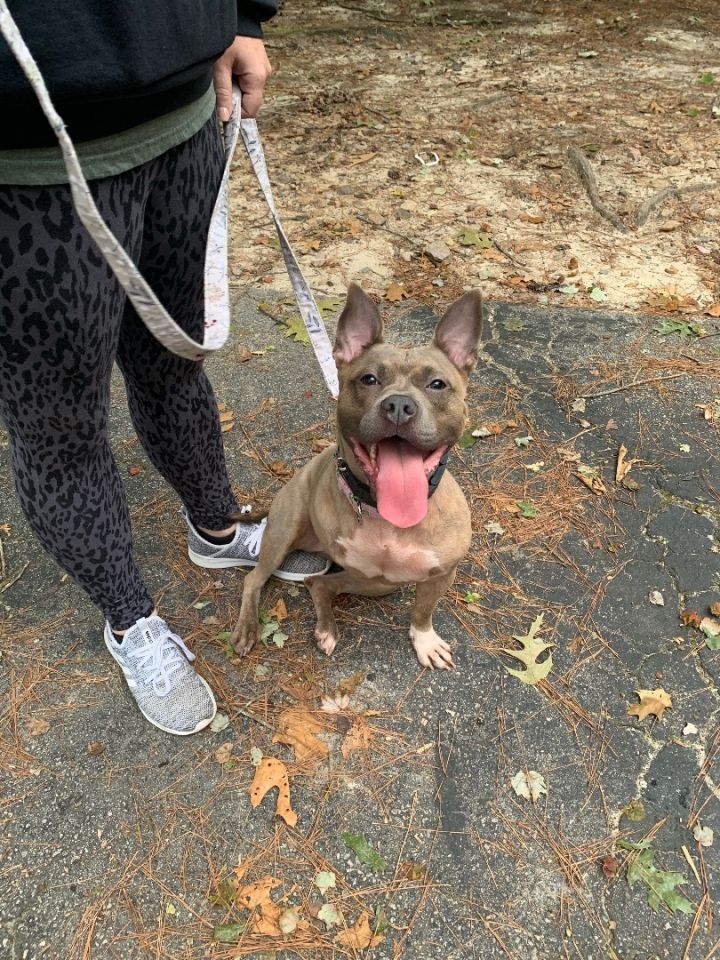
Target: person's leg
60,315
171,400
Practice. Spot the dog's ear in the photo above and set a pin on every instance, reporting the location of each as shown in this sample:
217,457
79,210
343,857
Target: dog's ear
458,333
359,326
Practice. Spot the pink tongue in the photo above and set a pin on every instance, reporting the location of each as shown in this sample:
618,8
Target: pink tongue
401,485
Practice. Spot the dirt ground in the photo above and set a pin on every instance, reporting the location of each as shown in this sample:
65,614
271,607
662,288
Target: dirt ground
363,94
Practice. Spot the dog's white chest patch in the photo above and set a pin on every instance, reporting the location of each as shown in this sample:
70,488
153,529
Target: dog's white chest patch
376,553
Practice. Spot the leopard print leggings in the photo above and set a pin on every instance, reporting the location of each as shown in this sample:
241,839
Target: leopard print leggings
64,320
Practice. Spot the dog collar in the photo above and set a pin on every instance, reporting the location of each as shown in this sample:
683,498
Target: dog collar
360,494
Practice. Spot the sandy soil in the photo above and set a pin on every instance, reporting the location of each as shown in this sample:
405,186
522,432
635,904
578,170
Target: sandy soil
362,93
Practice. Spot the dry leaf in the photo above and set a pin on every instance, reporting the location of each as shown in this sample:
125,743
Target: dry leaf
623,467
95,748
36,727
395,293
298,729
691,618
703,835
710,627
280,469
336,704
591,478
279,611
357,737
714,609
224,752
657,598
530,785
713,310
653,702
360,936
532,648
709,410
270,773
134,470
349,685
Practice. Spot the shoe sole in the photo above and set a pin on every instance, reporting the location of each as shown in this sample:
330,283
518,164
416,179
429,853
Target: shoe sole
221,563
176,733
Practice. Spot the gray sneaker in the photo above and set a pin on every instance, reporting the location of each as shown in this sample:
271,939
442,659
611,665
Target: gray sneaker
244,549
156,664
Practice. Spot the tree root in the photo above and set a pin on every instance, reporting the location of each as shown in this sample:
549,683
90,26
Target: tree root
587,179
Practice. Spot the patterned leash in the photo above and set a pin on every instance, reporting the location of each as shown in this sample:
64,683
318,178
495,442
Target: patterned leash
217,298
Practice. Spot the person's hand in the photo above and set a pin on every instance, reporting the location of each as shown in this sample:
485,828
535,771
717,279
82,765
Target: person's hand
245,59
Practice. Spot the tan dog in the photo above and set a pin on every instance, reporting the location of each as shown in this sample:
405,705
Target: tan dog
380,504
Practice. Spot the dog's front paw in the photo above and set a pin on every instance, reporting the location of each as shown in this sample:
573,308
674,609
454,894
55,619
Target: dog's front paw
244,637
431,650
326,640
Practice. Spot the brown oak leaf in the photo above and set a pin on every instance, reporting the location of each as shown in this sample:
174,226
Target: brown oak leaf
270,773
653,702
360,935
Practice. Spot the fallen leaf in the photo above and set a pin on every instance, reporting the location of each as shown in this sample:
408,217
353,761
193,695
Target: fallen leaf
472,238
324,880
654,702
395,293
689,730
335,704
590,476
330,915
660,884
527,510
134,470
229,932
610,866
657,598
348,685
360,936
529,784
288,921
713,310
703,835
224,752
411,870
170,909
623,466
298,729
219,722
279,611
270,773
714,609
256,756
295,327
357,842
532,648
495,528
357,737
691,618
95,748
36,727
523,441
634,810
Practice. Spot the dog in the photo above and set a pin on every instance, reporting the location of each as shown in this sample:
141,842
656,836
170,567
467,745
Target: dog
380,503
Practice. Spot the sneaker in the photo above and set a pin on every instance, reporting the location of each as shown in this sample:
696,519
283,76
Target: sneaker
244,549
156,664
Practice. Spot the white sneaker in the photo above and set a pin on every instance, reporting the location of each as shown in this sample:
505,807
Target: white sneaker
156,664
244,550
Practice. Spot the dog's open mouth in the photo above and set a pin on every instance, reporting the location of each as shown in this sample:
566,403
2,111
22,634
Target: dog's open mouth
399,473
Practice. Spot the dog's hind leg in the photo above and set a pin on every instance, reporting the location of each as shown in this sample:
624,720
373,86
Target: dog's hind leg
286,527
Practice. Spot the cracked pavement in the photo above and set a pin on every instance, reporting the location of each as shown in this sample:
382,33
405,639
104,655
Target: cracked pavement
97,847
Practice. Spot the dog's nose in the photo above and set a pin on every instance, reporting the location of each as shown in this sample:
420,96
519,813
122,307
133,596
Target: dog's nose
398,408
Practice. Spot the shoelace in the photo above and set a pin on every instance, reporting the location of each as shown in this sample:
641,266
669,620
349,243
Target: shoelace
253,540
162,657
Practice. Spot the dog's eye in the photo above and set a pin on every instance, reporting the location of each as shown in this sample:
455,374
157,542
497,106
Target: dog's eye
369,379
437,384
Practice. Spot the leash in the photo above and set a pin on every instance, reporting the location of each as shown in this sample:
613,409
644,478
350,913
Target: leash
217,296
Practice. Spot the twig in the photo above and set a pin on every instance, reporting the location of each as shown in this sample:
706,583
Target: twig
3,568
6,586
254,718
657,199
587,179
694,926
635,383
388,230
506,253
